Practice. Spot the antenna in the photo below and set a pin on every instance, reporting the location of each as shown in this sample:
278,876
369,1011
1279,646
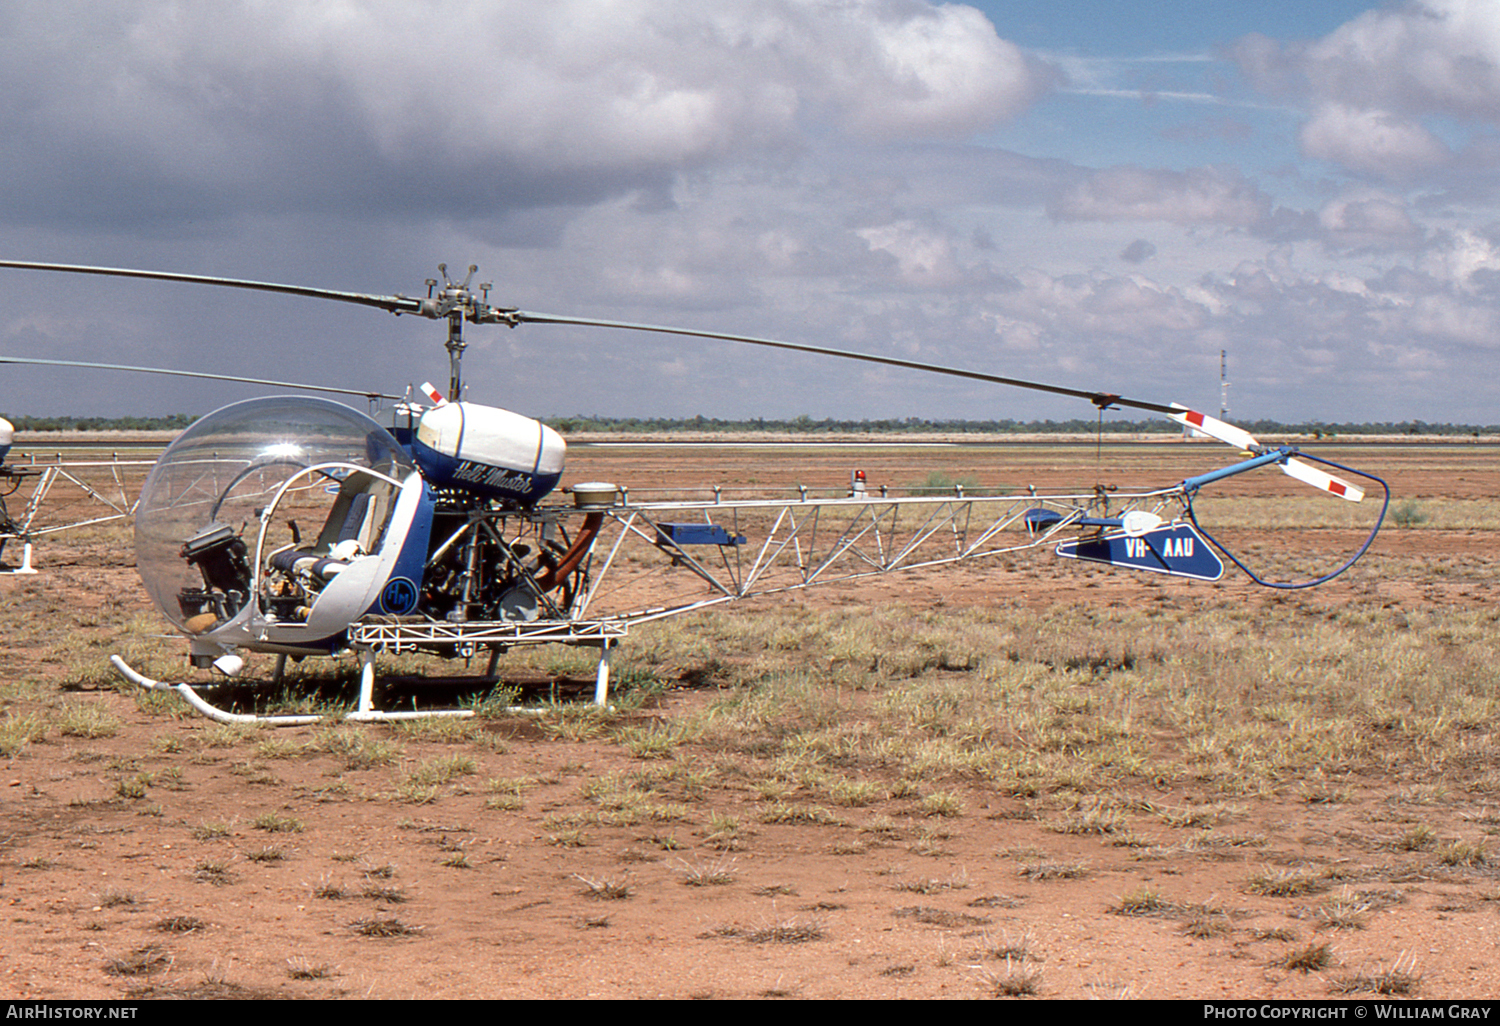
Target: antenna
1223,384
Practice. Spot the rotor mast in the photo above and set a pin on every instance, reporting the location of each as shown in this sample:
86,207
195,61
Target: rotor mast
455,346
455,302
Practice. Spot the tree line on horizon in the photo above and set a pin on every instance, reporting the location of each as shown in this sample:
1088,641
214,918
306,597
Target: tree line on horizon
171,422
805,424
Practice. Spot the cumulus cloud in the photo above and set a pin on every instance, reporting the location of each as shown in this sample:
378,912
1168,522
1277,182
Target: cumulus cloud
1368,221
1465,259
457,103
922,254
1429,56
1369,83
785,168
1373,141
1209,195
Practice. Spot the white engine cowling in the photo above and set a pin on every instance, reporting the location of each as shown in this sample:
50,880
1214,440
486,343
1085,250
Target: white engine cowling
492,452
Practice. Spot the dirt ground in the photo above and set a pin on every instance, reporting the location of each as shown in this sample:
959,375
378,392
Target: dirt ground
248,870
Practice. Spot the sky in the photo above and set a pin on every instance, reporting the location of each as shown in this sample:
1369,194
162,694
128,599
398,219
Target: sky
1096,195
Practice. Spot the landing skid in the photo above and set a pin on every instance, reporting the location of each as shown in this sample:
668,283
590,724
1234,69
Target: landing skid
24,568
364,713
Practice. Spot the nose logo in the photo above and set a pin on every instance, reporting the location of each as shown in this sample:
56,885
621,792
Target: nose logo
399,596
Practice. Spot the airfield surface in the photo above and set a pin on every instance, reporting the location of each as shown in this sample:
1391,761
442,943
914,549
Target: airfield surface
1031,815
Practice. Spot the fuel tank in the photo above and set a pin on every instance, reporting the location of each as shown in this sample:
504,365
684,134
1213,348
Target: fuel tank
491,452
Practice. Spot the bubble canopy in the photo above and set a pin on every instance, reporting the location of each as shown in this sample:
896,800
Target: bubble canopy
226,468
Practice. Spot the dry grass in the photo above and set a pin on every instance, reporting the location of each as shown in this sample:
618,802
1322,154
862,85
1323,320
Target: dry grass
381,892
1346,911
1019,948
215,872
605,888
181,924
300,968
276,823
1285,883
383,926
329,889
1276,697
1015,980
1308,959
1145,901
780,931
892,728
1252,719
927,885
1400,979
1467,854
208,831
1054,870
712,873
114,898
86,720
143,961
1208,925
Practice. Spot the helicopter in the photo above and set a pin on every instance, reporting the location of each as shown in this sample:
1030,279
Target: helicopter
297,526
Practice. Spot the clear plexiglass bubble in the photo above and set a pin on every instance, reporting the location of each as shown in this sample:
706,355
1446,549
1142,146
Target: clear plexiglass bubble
222,471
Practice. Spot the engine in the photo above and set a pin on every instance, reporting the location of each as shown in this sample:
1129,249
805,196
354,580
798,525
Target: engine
491,453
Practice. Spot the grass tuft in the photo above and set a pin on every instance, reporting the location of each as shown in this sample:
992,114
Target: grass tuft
113,898
152,958
1398,980
1310,958
180,924
383,926
1015,980
87,720
275,823
300,968
1285,883
605,888
1467,854
1145,901
784,931
715,873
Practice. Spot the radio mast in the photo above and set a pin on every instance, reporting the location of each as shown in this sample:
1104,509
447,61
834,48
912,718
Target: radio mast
1223,384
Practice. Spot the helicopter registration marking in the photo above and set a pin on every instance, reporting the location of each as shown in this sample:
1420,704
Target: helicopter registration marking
1180,547
1174,548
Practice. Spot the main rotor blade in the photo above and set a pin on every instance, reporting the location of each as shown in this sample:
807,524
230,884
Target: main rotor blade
1213,427
394,304
1309,474
483,313
1103,400
197,374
